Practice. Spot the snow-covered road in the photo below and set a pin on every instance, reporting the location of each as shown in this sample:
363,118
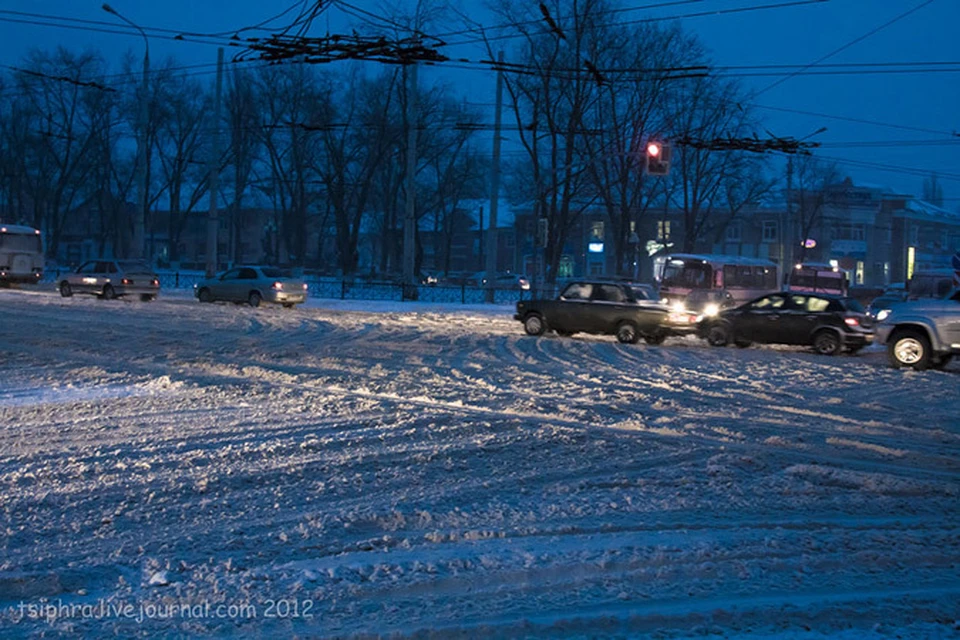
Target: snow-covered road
332,471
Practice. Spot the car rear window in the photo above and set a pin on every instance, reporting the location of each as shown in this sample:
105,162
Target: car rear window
273,272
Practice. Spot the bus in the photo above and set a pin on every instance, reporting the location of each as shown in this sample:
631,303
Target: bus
706,283
21,254
818,277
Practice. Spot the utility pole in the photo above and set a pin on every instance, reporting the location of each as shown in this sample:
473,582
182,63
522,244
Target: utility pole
492,251
786,240
410,221
213,220
143,197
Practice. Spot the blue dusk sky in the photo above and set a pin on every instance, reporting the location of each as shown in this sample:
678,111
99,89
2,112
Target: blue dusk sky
917,109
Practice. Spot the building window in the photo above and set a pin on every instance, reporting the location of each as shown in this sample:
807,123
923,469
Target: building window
914,234
859,272
769,231
633,226
663,230
733,231
850,232
596,231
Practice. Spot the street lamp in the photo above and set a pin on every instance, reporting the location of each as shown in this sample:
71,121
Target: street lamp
139,222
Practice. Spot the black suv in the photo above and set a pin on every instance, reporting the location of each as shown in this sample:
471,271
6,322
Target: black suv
595,307
827,323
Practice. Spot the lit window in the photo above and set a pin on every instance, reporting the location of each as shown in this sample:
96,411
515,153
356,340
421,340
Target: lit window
663,230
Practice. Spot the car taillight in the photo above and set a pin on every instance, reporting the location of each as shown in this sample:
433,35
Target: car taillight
852,322
304,286
278,285
156,282
126,281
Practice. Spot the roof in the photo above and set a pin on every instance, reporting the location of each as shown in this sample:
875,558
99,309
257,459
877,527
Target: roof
712,257
915,208
17,228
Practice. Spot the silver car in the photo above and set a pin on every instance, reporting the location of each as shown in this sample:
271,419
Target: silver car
109,279
253,285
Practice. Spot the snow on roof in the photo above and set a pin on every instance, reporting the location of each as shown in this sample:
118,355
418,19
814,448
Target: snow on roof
915,208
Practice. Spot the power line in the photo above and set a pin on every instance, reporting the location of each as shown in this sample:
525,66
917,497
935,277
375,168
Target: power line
700,14
846,46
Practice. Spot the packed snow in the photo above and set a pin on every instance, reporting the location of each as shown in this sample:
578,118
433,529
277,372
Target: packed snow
342,469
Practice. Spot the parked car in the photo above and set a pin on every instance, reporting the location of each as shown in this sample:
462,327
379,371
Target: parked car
253,285
506,281
827,323
922,334
594,307
109,279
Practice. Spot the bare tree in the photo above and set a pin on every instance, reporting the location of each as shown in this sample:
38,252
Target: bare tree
243,153
58,135
706,109
550,99
291,107
182,105
809,195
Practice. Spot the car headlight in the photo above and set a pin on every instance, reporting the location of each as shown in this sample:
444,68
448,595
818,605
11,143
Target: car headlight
711,310
679,307
883,315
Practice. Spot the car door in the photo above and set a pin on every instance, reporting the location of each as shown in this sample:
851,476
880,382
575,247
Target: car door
759,321
571,308
608,305
83,280
949,323
247,281
803,314
225,287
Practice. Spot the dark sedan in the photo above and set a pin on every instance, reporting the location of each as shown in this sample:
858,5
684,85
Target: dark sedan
827,323
594,307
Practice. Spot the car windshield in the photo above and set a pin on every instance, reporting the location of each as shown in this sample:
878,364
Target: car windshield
273,272
20,242
640,294
690,275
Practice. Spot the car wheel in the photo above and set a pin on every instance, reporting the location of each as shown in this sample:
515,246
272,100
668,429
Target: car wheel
534,325
909,349
288,305
826,343
65,290
204,295
108,292
718,336
655,338
254,299
146,297
627,333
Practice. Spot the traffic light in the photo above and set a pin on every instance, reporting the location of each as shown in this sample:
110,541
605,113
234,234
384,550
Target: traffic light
658,159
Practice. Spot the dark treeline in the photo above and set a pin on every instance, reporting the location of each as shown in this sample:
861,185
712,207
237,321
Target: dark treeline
324,146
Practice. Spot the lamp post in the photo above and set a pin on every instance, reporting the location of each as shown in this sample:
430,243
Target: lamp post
139,222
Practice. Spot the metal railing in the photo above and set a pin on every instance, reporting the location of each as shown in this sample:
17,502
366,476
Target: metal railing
347,289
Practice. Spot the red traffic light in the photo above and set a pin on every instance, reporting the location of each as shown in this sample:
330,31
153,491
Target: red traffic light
653,149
